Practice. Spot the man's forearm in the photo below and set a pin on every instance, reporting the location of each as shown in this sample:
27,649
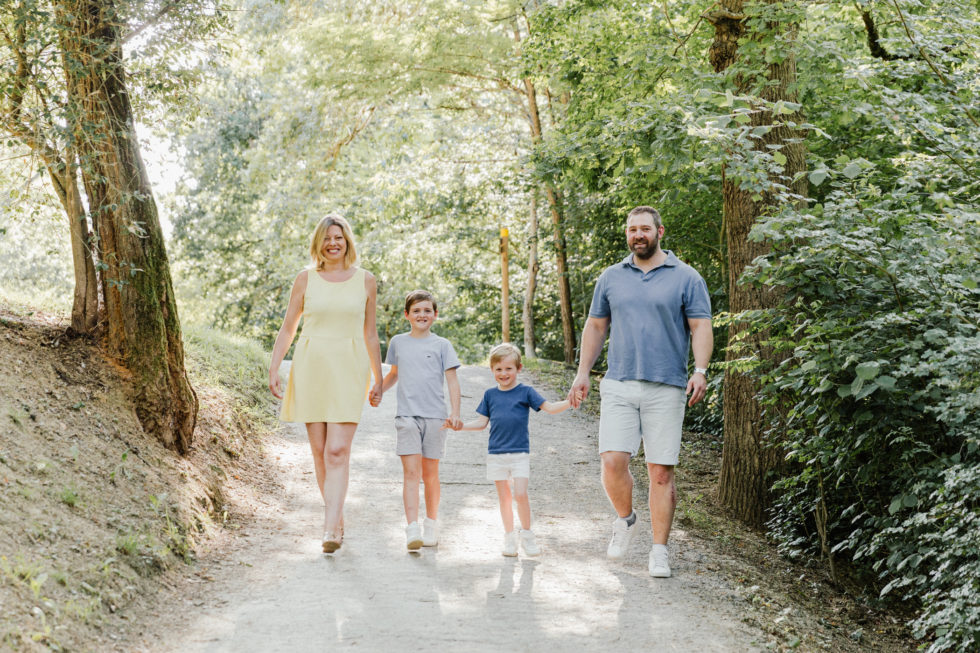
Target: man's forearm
702,342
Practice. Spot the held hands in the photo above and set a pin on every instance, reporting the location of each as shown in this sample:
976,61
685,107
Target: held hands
579,390
374,396
452,422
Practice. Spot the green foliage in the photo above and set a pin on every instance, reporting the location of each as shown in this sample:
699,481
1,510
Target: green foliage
420,158
876,403
35,259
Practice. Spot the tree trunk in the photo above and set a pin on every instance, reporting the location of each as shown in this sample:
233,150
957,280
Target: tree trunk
143,330
564,288
747,460
530,345
554,205
85,306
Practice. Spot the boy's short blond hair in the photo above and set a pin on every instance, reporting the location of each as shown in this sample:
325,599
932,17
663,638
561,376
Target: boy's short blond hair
505,350
417,296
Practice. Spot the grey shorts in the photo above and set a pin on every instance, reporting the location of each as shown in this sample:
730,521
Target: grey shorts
420,435
631,411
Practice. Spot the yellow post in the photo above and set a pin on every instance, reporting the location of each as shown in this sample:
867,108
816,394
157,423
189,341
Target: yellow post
504,285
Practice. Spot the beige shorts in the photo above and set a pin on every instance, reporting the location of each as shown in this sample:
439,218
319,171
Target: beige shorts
504,466
631,411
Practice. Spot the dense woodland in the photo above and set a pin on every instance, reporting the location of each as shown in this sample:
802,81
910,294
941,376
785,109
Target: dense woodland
817,162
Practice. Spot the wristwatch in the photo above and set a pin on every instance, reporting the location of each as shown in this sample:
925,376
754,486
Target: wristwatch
702,370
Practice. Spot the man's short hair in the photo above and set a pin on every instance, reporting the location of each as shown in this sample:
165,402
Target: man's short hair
506,350
417,296
657,222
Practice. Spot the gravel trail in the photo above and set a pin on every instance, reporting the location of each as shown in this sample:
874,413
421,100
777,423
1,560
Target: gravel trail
275,590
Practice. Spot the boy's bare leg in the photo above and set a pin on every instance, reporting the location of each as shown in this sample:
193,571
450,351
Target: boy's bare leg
506,507
433,492
663,500
412,468
618,481
523,504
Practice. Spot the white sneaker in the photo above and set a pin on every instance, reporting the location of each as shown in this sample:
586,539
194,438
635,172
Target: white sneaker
413,536
530,547
510,544
659,567
622,534
430,529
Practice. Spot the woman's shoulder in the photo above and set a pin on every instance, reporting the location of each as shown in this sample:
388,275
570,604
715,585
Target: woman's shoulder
303,275
370,284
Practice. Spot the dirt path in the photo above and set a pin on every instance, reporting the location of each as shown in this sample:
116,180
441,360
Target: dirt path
277,592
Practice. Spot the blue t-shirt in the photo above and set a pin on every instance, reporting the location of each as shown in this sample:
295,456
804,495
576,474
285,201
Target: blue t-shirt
649,337
508,412
422,365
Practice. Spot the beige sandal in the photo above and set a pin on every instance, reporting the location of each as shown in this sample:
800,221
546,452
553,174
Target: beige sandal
331,542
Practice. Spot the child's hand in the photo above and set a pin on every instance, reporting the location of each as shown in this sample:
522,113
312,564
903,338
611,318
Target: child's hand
452,423
579,397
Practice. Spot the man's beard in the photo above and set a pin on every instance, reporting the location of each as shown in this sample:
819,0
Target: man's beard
645,251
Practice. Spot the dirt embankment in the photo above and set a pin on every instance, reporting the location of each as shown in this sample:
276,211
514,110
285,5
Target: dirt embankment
97,517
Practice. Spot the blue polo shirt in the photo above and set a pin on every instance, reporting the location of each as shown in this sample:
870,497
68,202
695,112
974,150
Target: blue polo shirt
649,339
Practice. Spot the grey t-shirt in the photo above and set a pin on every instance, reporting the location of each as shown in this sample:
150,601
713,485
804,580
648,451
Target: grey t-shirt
422,365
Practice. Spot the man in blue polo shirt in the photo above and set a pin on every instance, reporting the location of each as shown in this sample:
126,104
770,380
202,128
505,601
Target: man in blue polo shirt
656,308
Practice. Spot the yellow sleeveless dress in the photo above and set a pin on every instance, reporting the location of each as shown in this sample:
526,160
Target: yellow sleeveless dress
328,379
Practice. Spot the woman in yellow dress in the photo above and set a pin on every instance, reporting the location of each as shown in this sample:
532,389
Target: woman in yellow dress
333,357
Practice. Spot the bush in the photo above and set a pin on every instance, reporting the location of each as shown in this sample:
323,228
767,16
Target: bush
875,403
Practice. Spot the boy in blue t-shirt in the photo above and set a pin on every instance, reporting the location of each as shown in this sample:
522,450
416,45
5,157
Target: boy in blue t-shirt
506,408
420,362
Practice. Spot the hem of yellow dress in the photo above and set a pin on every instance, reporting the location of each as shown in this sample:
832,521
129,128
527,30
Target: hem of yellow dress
316,420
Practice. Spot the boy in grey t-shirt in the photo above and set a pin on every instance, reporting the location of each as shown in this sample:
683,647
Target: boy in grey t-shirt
420,359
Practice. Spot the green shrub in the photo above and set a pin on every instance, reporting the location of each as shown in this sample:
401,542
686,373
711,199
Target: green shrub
876,401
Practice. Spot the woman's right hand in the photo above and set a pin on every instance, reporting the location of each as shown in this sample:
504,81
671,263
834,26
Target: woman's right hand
275,384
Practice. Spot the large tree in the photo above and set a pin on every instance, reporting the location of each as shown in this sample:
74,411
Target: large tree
141,312
80,124
755,43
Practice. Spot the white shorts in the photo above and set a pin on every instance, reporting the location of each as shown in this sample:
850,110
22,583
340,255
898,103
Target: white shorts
420,435
631,411
504,466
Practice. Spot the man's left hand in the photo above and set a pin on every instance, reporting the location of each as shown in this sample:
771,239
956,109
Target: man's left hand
697,386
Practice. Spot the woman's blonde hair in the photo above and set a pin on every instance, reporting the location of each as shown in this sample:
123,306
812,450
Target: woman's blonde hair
320,234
